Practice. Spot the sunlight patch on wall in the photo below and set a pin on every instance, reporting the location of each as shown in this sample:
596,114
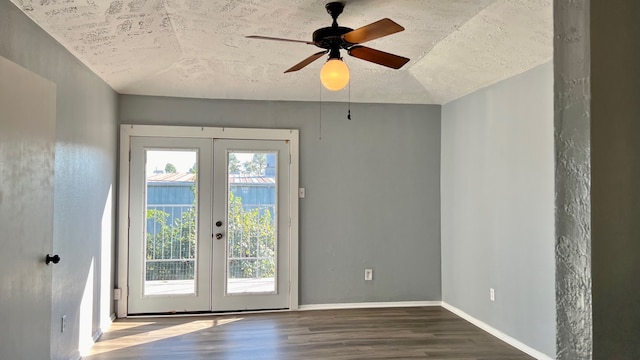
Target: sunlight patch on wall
85,338
106,262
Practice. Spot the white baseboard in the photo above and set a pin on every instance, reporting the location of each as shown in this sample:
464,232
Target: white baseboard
78,355
96,335
497,333
368,305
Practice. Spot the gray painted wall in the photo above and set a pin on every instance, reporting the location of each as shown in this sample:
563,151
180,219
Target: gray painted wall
498,207
372,189
27,141
84,182
615,196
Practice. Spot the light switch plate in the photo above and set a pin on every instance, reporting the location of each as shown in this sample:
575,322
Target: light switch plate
368,274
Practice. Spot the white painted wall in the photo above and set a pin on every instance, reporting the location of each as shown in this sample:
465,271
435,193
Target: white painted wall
498,207
83,187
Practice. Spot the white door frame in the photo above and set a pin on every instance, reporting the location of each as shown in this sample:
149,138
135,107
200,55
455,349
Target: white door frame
127,131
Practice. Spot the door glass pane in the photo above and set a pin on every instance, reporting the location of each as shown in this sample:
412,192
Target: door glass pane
171,236
252,223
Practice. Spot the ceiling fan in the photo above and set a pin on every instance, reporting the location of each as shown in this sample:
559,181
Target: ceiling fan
335,73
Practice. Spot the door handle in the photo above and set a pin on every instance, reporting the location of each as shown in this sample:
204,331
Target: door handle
219,236
52,259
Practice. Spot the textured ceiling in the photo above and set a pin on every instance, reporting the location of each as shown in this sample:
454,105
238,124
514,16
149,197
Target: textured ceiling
197,48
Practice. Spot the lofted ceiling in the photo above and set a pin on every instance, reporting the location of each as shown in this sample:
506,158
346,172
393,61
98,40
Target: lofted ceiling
197,48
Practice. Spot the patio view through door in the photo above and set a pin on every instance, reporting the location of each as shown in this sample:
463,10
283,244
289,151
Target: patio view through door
208,225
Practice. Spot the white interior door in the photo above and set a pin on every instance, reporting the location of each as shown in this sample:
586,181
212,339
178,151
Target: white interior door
251,225
170,225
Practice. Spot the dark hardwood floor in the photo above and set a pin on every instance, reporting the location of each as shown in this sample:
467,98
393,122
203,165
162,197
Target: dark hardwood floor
396,333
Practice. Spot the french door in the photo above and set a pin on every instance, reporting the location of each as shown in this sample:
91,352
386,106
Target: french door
208,225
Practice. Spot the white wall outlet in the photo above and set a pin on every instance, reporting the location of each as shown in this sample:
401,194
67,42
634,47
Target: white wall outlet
63,323
368,274
492,294
301,193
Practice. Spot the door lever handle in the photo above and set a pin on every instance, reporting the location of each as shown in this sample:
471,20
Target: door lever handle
52,259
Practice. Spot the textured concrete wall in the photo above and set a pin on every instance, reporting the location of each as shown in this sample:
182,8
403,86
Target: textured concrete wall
573,180
615,195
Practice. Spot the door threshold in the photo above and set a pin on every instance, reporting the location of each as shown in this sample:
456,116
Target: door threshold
204,313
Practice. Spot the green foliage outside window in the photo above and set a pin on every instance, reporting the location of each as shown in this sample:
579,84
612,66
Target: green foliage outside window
251,242
174,242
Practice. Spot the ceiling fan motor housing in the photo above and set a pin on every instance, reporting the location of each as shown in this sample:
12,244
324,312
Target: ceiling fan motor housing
331,37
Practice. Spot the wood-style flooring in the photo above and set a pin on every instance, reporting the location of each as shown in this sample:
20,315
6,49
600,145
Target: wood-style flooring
396,333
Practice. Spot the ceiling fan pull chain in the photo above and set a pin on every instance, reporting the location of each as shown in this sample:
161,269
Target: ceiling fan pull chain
349,112
320,120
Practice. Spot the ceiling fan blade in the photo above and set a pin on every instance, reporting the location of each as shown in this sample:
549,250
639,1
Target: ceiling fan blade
306,61
378,57
278,39
372,31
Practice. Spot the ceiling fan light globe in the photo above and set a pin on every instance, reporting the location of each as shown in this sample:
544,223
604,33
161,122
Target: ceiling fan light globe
334,75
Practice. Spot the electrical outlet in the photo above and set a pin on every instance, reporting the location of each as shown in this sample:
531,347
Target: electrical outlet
301,193
492,294
63,324
368,274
